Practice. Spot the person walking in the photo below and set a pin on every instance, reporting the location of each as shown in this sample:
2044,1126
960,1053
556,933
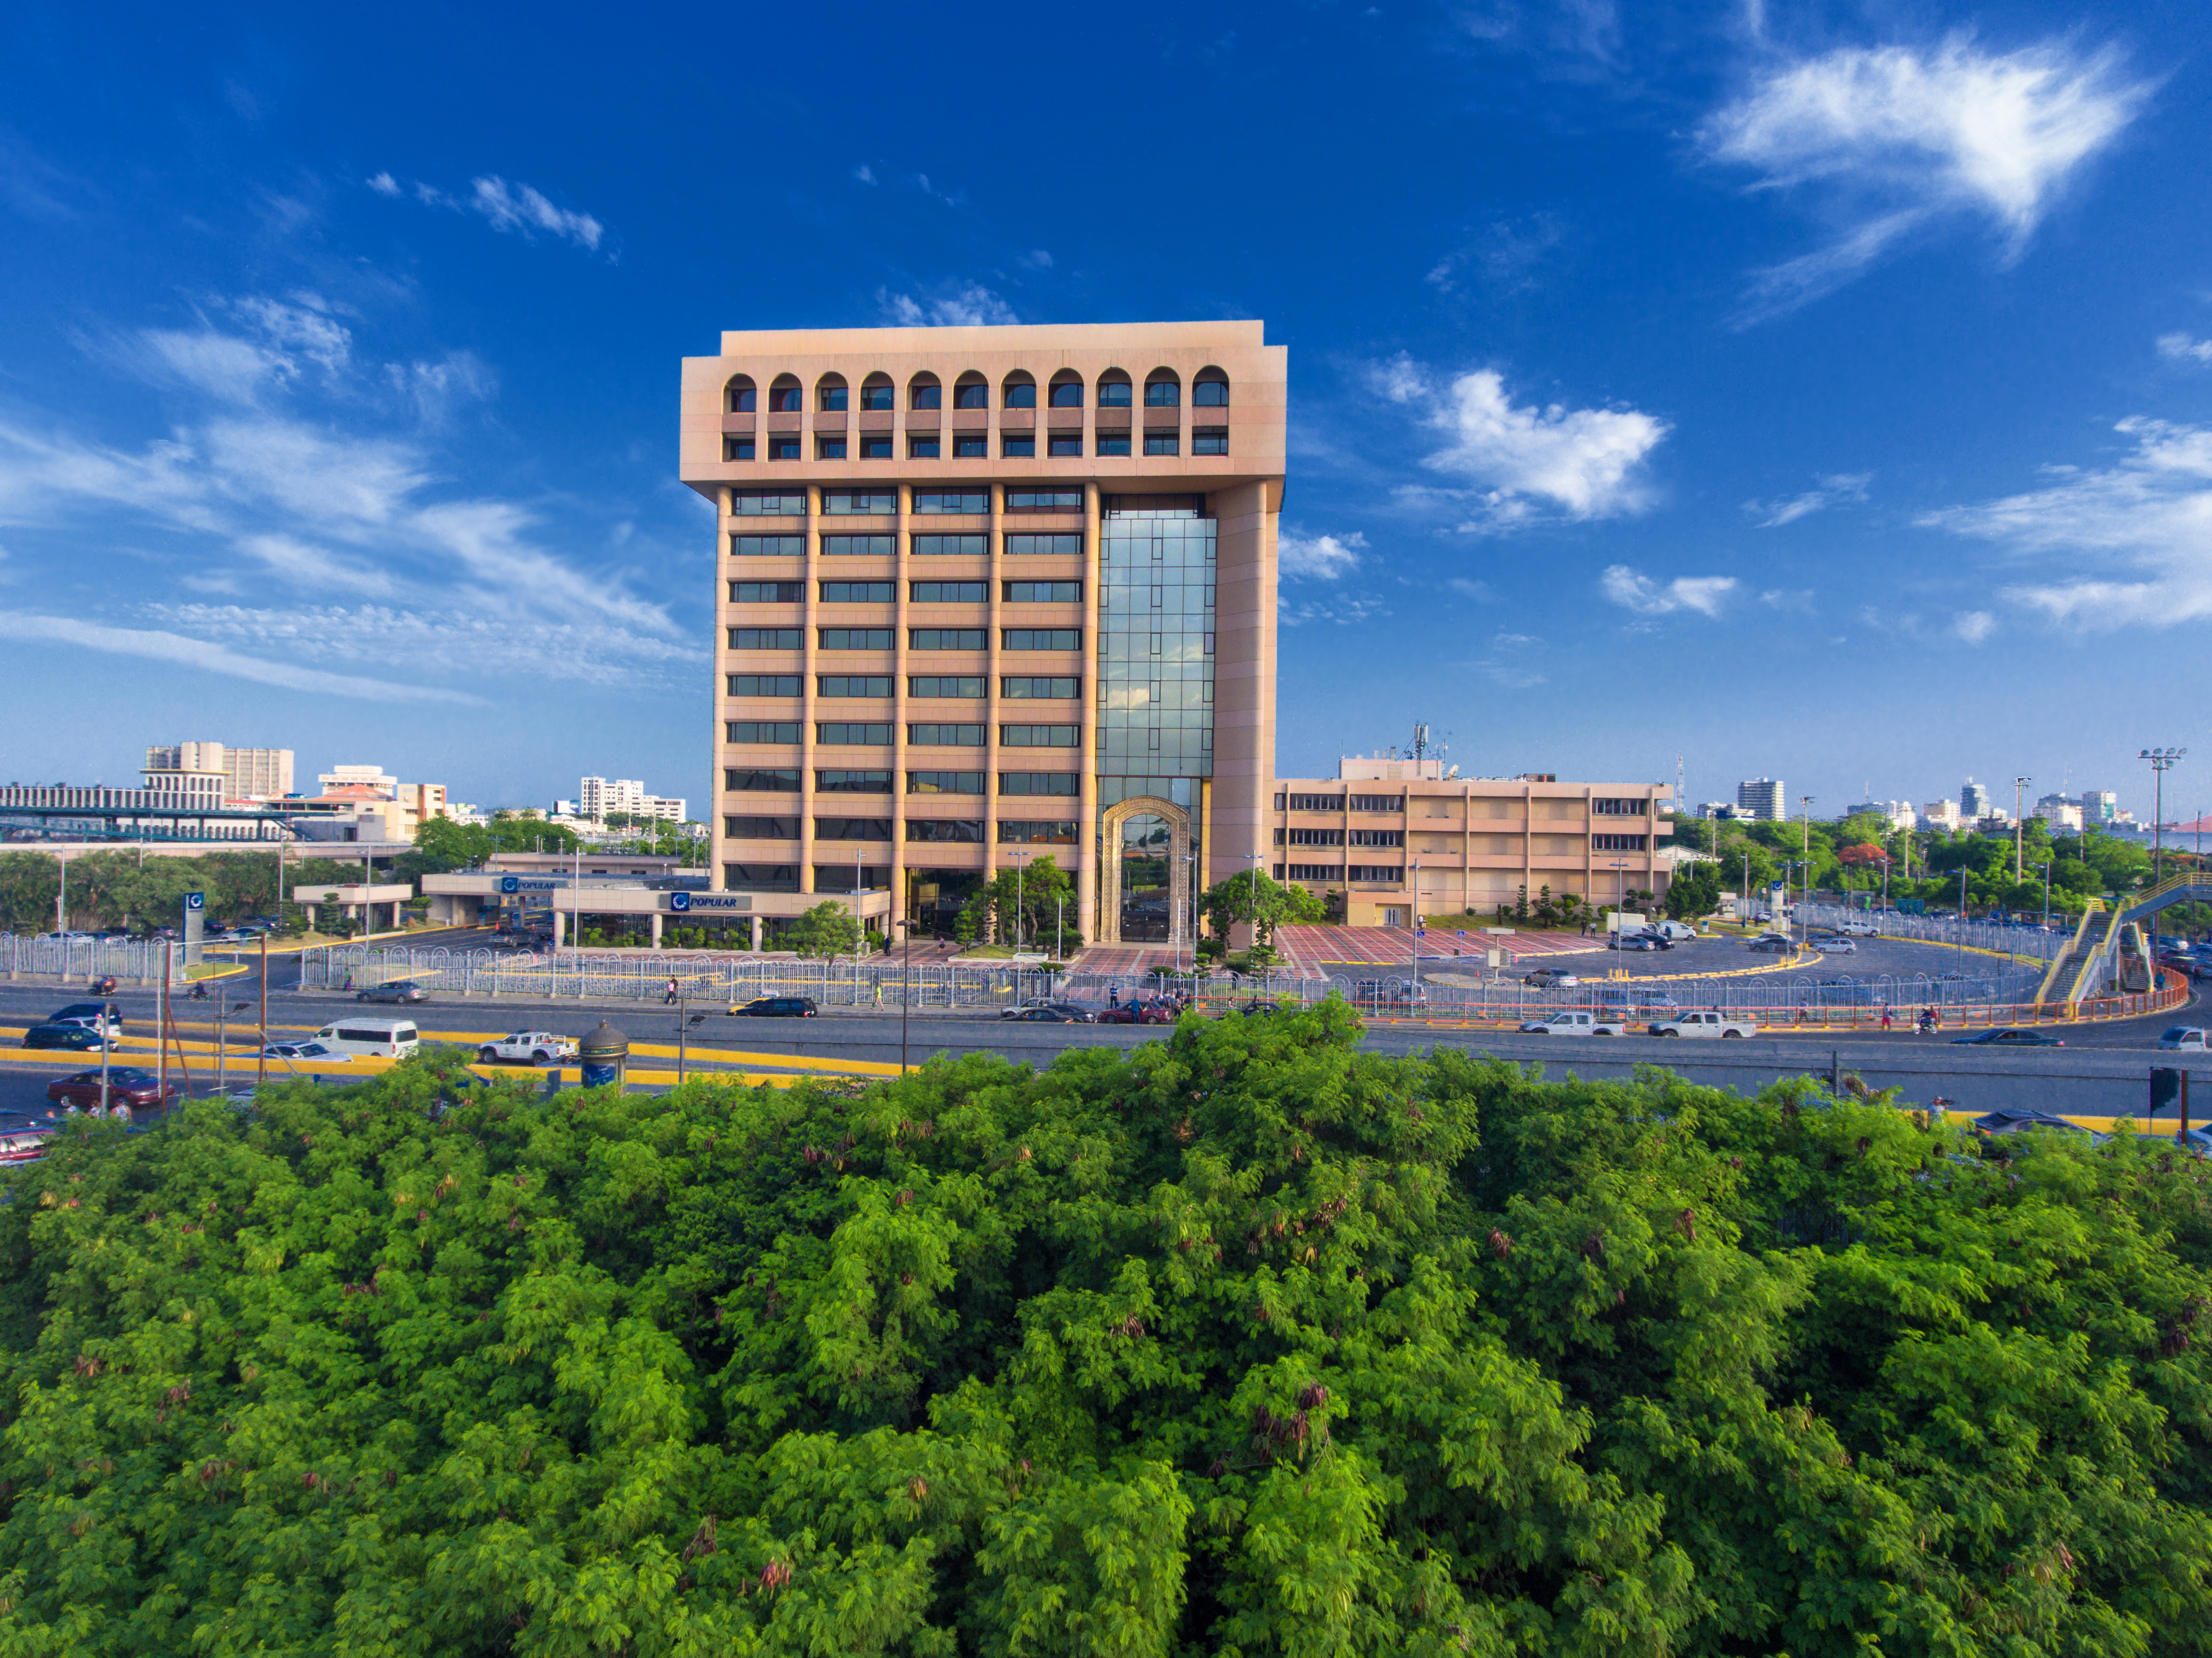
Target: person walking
1112,995
1885,1016
669,1000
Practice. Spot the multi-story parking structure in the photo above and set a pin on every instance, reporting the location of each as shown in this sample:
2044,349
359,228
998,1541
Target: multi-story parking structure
984,594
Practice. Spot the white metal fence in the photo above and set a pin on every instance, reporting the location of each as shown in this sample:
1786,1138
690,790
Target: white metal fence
87,959
1975,935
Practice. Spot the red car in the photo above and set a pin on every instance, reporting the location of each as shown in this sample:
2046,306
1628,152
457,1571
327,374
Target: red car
127,1085
22,1146
1136,1013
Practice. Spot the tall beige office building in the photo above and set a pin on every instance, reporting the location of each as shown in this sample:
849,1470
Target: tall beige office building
985,593
247,773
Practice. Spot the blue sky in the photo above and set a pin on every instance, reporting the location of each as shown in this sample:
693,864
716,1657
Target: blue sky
1823,392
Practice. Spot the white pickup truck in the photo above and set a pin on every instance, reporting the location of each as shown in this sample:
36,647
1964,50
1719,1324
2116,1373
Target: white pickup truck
528,1047
1577,1022
1704,1025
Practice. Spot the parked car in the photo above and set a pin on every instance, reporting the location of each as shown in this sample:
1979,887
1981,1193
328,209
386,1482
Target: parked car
21,1146
127,1085
1673,932
1703,1023
778,1007
2183,1035
2006,1036
1836,946
89,1014
1547,978
1860,930
1575,1022
1620,1001
1056,1013
528,1047
1638,941
1136,1013
69,1038
398,990
315,1051
1773,944
1023,1006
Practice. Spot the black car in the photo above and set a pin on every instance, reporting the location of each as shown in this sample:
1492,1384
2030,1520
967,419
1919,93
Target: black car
2010,1036
779,1007
1055,1014
88,1013
70,1038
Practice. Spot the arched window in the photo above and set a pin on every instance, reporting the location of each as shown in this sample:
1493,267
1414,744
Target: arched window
1113,390
876,391
1019,391
830,392
1066,390
738,397
1162,390
787,396
1210,390
923,391
972,391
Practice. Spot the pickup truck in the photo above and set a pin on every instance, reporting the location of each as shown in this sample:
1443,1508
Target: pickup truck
528,1047
1576,1021
1704,1025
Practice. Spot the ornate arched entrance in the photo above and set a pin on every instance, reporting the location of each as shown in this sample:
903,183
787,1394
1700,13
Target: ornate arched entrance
1145,872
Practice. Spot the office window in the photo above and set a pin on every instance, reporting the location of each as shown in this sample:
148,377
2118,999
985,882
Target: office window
1042,639
944,782
876,397
855,593
947,593
1113,443
1039,737
875,448
852,828
1039,782
1310,803
1375,873
923,448
760,731
763,684
1018,545
946,639
760,878
971,448
767,592
1067,394
853,733
1161,443
1210,393
937,686
1378,803
1378,837
1058,446
760,780
1045,501
769,503
737,449
926,394
845,503
858,546
1017,832
764,639
1165,392
784,449
1609,807
952,501
761,828
828,449
1314,872
833,399
1044,593
855,639
1316,837
1114,393
945,737
1209,441
1021,447
1617,842
852,782
951,546
1042,687
842,685
1020,394
839,877
973,395
786,400
767,546
938,830
743,399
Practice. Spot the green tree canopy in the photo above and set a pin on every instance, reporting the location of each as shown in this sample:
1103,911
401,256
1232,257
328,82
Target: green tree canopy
1045,896
1254,895
828,929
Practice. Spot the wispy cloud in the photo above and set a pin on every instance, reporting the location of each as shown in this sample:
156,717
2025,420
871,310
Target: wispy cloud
1634,591
144,643
1502,258
518,209
1481,592
1343,610
1835,488
865,173
1318,558
2180,348
956,306
1787,598
1526,463
1897,137
1036,258
1511,662
1973,626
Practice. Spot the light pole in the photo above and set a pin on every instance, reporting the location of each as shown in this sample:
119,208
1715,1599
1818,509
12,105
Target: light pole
1020,859
906,987
2019,824
2045,871
1417,930
1960,955
2162,762
1252,899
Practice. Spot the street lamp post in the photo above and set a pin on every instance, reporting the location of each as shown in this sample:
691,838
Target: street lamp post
1021,860
1252,899
2162,762
2045,871
906,989
2019,824
1417,930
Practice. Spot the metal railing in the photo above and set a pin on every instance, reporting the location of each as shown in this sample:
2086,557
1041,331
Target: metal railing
86,959
1929,929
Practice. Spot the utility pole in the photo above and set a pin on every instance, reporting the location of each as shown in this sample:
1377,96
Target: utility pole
2019,824
2162,762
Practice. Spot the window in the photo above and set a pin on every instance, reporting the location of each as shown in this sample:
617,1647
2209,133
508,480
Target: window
1162,393
926,394
828,449
760,878
743,399
763,684
785,399
968,831
855,593
1058,446
1044,593
1112,393
1316,837
1378,837
737,449
844,503
936,685
760,780
877,394
1617,808
1313,871
852,782
945,737
1042,639
761,828
1113,443
1021,447
1395,872
760,731
946,592
856,546
1019,833
1018,394
976,448
1212,391
973,395
946,639
853,733
951,546
767,546
839,877
1040,687
832,397
855,639
879,448
852,828
1039,782
1066,394
944,782
764,639
765,503
1039,737
923,448
1209,441
766,592
1045,501
1162,443
1378,803
1309,803
784,449
843,685
927,502
1617,842
1018,546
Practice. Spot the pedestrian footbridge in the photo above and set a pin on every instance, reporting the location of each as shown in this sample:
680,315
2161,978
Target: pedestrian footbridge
2110,953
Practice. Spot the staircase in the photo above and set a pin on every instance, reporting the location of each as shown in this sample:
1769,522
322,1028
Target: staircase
2074,974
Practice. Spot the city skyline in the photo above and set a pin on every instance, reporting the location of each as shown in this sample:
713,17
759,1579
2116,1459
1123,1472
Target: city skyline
1825,379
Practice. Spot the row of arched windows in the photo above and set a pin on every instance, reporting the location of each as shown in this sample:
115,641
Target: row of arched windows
1209,389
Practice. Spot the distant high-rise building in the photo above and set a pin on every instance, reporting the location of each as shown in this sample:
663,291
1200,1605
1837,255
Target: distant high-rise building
1973,800
1941,814
247,773
599,798
1763,797
2099,806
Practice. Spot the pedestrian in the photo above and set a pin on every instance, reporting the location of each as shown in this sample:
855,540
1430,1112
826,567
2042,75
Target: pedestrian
348,984
669,1000
1885,1016
1112,995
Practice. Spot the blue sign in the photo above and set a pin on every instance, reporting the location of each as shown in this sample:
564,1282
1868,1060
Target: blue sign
509,884
196,901
682,902
679,902
599,1075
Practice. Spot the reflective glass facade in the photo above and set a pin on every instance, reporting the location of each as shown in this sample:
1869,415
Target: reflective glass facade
1156,579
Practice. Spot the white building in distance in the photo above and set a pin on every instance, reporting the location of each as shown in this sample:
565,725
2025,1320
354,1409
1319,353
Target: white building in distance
599,798
247,774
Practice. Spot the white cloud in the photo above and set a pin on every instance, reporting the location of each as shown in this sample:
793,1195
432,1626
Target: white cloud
1585,462
1973,626
1318,558
965,305
1787,598
1901,136
522,210
1035,259
436,388
2180,348
1344,610
280,340
865,173
385,184
1509,664
2136,539
1630,589
141,643
1835,488
1481,592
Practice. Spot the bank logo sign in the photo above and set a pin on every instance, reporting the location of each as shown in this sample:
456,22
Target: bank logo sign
682,904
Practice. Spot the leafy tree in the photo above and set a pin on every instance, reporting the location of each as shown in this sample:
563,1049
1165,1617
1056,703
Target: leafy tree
1044,891
1694,891
828,929
1253,895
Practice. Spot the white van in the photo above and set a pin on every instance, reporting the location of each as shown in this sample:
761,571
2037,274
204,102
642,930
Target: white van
387,1039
